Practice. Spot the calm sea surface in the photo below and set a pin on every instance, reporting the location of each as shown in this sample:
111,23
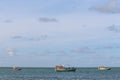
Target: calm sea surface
50,74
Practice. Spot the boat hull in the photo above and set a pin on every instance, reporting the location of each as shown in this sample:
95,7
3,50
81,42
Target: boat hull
66,70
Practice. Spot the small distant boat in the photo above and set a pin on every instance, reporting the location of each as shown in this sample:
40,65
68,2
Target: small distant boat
102,68
16,68
64,69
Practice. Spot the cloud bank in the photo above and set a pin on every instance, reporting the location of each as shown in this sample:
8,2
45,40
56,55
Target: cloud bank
83,50
111,7
114,28
7,21
27,38
45,19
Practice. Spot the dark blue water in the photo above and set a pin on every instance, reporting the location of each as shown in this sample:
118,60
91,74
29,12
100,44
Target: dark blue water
50,74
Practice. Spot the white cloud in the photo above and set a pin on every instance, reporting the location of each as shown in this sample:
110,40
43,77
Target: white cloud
10,52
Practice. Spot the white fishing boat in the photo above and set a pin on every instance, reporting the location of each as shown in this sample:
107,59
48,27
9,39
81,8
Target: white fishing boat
64,69
102,68
16,68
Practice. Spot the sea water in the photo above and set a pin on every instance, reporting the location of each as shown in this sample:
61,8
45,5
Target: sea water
50,74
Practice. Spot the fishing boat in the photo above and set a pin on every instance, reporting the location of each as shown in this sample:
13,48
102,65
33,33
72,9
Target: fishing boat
61,68
16,68
102,68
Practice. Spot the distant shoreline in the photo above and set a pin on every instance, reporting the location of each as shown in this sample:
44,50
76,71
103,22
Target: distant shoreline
51,67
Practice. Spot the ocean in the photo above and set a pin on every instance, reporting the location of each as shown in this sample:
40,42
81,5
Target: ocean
50,74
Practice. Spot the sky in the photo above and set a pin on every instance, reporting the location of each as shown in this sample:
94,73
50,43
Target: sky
46,33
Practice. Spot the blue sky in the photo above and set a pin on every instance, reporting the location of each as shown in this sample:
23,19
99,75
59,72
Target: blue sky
45,33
